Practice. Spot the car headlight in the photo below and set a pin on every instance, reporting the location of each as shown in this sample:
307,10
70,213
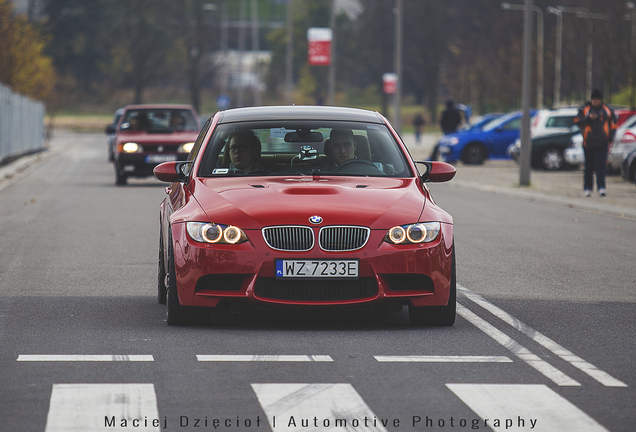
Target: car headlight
185,148
131,147
203,232
423,232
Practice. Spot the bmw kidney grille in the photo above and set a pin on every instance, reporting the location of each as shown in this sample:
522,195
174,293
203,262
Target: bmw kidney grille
343,238
289,238
332,239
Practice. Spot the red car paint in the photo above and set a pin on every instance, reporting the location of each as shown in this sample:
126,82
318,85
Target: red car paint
211,275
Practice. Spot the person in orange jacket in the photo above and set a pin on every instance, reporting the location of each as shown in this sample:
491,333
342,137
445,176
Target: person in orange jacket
598,125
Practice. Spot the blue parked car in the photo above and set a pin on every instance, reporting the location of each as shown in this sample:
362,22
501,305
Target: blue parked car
473,147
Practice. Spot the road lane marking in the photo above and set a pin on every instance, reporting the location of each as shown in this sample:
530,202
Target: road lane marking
517,349
514,404
444,359
84,358
263,358
89,407
336,407
576,361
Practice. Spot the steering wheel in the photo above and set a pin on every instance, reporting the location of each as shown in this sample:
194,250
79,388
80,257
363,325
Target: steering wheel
359,166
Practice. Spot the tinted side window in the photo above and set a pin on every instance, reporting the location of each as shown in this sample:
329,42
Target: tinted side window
197,146
513,124
560,122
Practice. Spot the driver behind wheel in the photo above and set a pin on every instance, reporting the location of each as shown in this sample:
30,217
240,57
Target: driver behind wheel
340,147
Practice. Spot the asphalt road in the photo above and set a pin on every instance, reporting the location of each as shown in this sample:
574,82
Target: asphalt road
544,339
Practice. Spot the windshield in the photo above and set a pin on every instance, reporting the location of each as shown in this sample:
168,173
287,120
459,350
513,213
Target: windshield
276,148
159,120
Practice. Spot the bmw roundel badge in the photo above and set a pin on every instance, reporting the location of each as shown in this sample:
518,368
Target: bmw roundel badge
315,219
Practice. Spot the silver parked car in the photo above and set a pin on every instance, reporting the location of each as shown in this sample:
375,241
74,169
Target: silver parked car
624,142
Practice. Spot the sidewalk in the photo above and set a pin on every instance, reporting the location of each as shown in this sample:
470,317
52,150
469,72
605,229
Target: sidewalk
563,188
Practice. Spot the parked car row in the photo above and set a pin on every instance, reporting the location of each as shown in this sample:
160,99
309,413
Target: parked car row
477,144
550,132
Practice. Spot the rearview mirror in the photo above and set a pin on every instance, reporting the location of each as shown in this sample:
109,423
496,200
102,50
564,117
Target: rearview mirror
303,135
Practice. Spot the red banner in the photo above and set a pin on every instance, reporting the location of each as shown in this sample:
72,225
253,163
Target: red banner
319,39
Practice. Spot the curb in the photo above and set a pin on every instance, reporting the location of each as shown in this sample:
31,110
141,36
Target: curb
528,195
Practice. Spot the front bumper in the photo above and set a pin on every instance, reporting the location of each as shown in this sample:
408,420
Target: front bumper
142,164
209,275
574,156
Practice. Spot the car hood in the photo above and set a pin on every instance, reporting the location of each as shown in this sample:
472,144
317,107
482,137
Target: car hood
255,202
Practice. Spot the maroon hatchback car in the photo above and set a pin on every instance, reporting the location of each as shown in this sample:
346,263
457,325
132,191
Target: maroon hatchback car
147,135
304,207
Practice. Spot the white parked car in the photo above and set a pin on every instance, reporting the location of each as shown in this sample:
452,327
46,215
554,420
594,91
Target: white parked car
624,142
574,154
552,122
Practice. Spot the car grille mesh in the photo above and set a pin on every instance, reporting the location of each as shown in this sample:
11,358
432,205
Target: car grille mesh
311,290
332,239
343,238
289,238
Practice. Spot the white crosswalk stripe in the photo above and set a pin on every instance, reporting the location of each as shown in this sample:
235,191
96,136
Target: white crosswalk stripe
84,358
523,407
98,407
326,407
442,359
263,358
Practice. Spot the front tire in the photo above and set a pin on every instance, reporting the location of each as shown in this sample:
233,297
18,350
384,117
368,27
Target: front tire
474,154
438,316
161,272
120,179
176,314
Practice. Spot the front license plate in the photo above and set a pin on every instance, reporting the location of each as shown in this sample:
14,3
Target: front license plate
317,268
160,158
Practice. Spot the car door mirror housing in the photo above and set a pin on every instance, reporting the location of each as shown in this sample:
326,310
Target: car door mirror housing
437,172
171,171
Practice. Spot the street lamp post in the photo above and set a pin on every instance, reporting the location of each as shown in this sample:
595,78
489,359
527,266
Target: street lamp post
592,17
556,100
525,156
331,88
588,73
397,115
632,64
510,6
289,83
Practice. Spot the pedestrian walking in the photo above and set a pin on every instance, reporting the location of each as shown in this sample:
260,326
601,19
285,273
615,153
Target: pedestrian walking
450,118
598,125
418,125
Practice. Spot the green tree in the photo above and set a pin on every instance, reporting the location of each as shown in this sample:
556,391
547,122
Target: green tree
23,66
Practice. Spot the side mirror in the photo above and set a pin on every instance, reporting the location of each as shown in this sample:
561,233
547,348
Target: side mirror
171,171
110,129
437,172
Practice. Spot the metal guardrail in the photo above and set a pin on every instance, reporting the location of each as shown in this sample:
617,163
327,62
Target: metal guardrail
21,125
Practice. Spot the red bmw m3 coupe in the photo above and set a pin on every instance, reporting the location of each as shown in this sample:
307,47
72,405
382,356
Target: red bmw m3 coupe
304,206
